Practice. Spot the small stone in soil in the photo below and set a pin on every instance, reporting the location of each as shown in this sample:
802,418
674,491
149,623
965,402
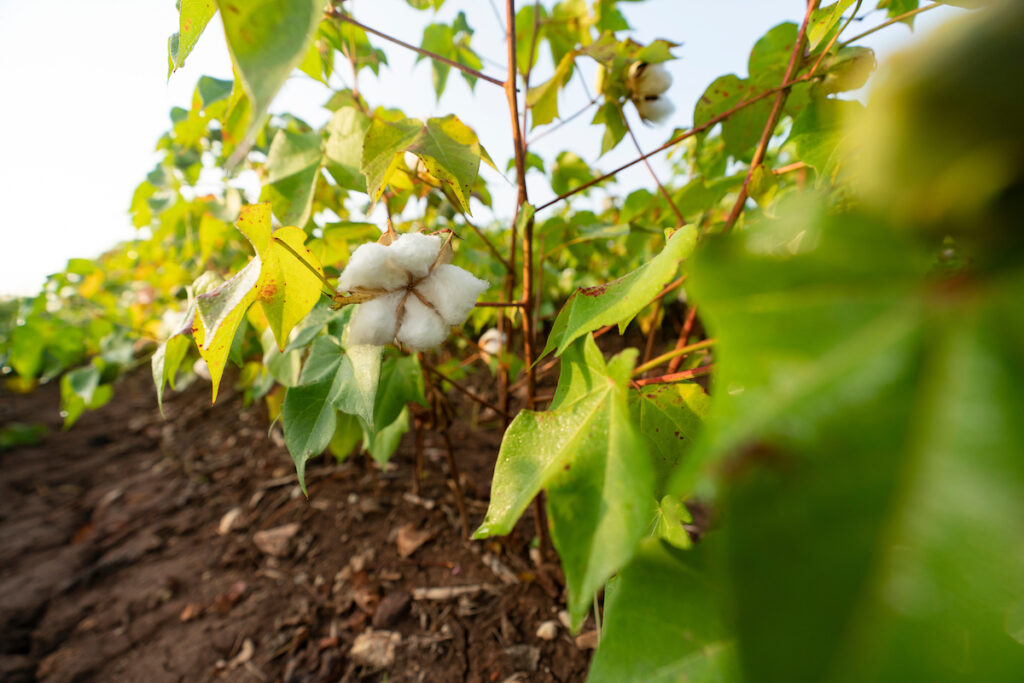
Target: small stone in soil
276,542
230,521
375,649
548,630
587,641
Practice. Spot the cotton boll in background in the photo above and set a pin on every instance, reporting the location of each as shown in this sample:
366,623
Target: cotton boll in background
453,291
374,321
491,341
648,79
371,268
655,109
414,253
422,327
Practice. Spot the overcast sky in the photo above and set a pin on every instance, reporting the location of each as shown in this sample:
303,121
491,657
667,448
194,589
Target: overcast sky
85,100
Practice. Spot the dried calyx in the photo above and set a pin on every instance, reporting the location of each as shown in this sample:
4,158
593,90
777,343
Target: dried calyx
647,84
408,291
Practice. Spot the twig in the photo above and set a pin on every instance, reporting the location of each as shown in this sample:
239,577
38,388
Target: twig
674,353
490,246
337,14
674,376
795,58
901,17
462,390
650,169
684,334
789,168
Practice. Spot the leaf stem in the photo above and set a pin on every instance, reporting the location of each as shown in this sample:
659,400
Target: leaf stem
500,304
334,13
674,353
684,334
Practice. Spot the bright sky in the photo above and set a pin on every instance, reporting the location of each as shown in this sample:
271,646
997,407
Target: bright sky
86,100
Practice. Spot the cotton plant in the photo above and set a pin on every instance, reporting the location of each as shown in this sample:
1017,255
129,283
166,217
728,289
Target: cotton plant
647,84
408,291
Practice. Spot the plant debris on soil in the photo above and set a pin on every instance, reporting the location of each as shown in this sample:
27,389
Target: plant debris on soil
138,549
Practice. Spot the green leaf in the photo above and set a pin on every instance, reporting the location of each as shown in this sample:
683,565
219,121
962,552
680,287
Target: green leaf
824,22
818,130
526,21
542,100
770,56
266,39
362,364
448,148
595,467
617,302
451,152
743,129
345,133
293,166
401,382
569,172
347,434
670,521
383,145
663,623
167,359
868,419
193,16
383,444
668,416
426,4
80,390
614,125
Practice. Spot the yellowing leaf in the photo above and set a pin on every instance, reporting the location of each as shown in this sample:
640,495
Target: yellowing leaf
283,277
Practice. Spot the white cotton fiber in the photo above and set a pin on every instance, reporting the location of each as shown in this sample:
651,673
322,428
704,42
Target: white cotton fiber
422,328
371,268
453,291
651,79
373,322
491,341
657,109
414,253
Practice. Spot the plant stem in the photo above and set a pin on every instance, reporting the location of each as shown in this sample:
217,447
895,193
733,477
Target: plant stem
453,471
795,57
674,376
684,334
896,19
674,353
337,14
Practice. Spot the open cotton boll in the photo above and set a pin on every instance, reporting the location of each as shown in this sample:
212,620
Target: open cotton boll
371,268
491,341
422,328
414,253
649,79
373,321
655,109
453,291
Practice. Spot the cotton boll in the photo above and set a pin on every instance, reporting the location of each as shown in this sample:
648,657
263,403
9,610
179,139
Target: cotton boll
374,321
649,79
370,268
422,328
491,341
414,253
453,291
655,109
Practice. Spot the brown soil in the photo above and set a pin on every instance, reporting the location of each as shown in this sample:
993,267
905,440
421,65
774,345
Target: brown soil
113,566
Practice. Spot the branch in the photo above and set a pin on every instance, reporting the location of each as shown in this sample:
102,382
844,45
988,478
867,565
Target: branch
901,17
707,125
795,58
684,334
334,13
